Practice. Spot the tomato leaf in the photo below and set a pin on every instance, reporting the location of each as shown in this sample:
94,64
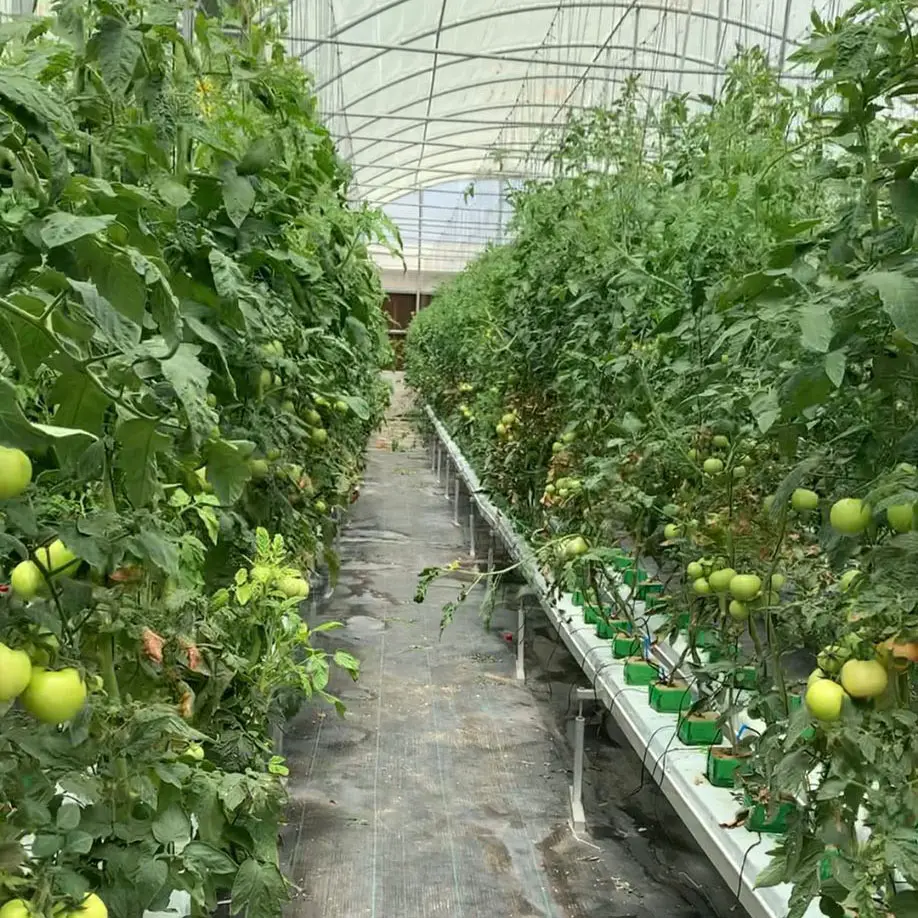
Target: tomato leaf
172,827
258,890
139,440
227,470
899,294
188,377
238,198
63,229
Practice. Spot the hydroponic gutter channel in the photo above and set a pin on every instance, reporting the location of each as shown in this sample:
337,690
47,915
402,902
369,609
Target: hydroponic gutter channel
737,854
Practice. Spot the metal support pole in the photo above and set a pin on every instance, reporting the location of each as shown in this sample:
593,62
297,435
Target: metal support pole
473,524
490,550
456,496
434,453
578,817
446,489
521,644
439,460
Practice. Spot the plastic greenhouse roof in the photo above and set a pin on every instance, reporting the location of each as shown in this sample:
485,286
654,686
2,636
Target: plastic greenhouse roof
428,93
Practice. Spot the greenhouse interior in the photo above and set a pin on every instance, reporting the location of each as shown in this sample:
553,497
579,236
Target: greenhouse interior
458,460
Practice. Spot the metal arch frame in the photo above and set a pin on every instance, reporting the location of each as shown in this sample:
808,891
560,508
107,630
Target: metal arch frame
390,191
466,87
420,120
583,64
442,168
529,8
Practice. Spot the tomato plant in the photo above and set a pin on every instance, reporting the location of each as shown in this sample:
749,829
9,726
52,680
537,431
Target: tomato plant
725,325
190,337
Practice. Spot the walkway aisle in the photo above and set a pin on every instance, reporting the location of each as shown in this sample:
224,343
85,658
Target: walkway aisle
443,792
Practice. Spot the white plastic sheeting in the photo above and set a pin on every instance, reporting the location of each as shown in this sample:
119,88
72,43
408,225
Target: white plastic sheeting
421,93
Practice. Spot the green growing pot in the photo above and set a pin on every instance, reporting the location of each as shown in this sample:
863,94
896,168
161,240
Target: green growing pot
634,576
669,699
577,598
623,645
722,766
622,562
639,671
746,677
590,615
683,621
705,639
610,627
768,818
699,730
655,602
647,590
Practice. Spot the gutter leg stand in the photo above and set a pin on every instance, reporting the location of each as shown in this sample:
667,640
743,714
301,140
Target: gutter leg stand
446,490
521,644
456,503
578,817
472,525
439,460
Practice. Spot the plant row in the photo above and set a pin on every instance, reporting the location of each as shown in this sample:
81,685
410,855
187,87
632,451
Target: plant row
697,352
190,338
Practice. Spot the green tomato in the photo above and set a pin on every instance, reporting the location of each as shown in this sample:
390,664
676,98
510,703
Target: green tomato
342,407
850,516
720,580
739,612
259,468
803,500
745,586
15,672
194,752
831,659
92,907
288,406
319,435
312,417
556,447
694,570
701,586
692,454
713,466
321,506
901,517
54,697
721,441
568,437
16,908
211,400
739,471
508,419
768,503
15,472
574,547
778,581
671,531
824,700
273,454
57,558
27,580
864,678
847,579
293,587
550,489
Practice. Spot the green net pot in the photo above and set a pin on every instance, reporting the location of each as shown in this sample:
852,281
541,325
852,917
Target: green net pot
647,591
768,819
723,764
669,699
639,671
699,730
624,645
684,620
634,576
622,562
655,602
610,627
746,677
590,615
577,598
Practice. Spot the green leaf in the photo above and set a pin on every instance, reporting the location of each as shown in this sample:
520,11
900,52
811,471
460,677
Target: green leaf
836,362
149,878
227,470
156,548
815,327
209,335
188,377
259,890
358,405
904,904
227,278
172,827
139,440
80,403
259,156
62,228
118,330
903,195
238,198
172,192
68,816
208,860
17,430
119,282
765,409
79,842
19,92
899,295
46,845
117,49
